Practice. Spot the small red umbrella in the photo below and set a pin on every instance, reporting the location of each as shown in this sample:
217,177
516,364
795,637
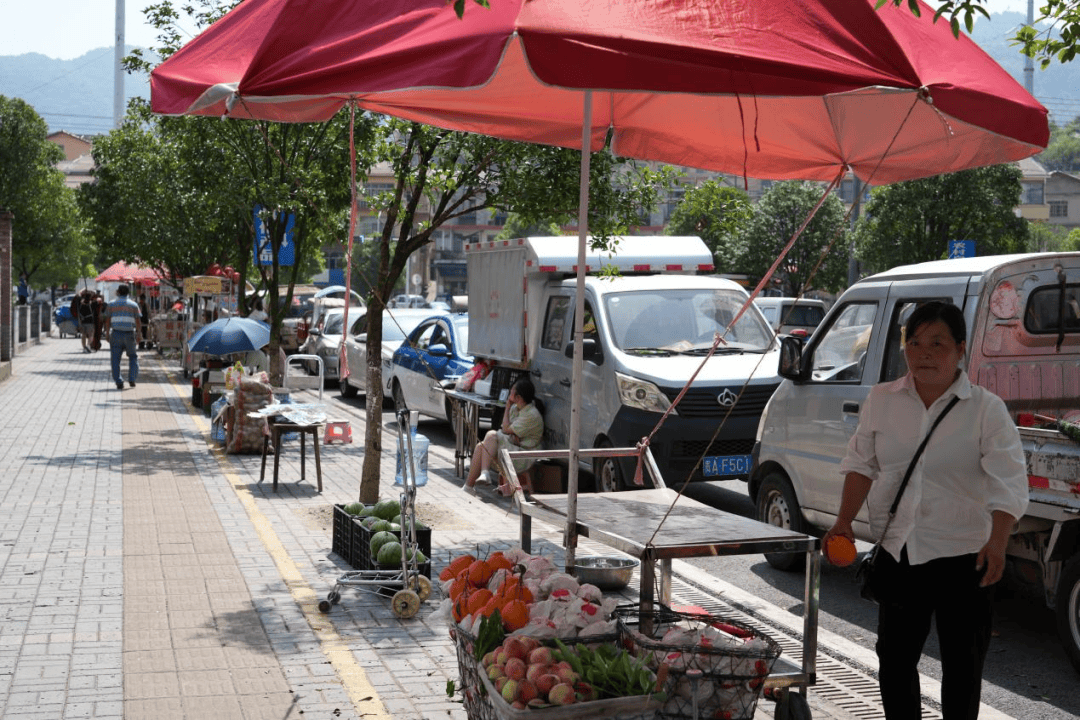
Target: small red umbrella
123,272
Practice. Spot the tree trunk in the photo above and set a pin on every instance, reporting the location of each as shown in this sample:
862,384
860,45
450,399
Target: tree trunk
370,473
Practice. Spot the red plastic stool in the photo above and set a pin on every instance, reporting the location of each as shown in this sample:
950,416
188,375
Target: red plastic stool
338,430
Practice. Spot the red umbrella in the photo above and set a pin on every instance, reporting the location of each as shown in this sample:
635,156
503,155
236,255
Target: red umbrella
799,89
794,89
122,272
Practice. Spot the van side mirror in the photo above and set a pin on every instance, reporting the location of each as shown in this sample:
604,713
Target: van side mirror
590,350
791,359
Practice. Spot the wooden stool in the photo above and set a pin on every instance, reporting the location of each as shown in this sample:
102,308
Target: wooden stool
276,430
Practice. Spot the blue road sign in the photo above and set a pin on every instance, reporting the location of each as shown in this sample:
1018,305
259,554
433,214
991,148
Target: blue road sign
264,248
961,248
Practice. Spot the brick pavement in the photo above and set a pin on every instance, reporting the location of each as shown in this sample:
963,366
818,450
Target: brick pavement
145,575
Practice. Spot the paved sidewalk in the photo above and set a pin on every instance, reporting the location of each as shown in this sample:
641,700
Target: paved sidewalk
143,574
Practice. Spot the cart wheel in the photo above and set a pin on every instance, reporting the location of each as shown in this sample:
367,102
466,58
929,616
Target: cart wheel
324,606
405,604
791,706
334,597
421,585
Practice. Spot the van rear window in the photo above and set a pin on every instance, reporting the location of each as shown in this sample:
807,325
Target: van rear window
1052,309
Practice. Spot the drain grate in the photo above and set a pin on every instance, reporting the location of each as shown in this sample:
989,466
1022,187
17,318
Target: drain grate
849,687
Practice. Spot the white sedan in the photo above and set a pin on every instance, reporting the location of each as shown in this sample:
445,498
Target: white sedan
396,324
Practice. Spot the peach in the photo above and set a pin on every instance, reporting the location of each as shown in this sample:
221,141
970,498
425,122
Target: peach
515,648
495,672
544,683
535,671
500,683
561,694
566,675
526,691
515,669
541,656
585,691
489,659
509,691
530,643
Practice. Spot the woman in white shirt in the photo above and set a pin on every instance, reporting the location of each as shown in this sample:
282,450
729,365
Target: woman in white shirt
258,313
945,549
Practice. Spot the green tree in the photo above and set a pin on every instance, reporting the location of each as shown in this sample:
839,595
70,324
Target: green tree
775,219
49,242
715,213
1063,151
1044,237
914,221
451,174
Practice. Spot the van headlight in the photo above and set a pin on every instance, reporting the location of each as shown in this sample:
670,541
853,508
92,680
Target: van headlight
641,394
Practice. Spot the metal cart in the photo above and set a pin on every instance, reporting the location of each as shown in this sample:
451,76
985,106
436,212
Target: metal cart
627,521
411,588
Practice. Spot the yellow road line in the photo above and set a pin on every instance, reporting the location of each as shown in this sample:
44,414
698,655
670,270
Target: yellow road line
361,693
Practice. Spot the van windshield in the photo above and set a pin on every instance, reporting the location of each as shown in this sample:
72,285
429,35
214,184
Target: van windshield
684,321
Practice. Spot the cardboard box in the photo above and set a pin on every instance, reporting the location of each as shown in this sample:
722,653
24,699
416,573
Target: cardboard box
548,478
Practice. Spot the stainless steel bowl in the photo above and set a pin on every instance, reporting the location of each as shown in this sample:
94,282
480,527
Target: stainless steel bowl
607,572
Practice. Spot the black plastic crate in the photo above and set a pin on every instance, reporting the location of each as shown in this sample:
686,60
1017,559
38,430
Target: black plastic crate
345,527
362,559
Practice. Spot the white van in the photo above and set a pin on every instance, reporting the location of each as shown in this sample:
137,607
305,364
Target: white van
646,333
792,316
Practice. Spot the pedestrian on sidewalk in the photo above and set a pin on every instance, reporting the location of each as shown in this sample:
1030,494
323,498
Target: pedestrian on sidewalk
122,326
83,310
144,319
944,548
98,303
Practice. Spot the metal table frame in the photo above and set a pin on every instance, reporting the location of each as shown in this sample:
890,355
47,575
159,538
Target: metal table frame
770,539
466,421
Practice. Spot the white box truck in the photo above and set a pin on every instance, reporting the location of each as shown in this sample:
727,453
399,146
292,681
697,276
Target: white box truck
1023,319
646,333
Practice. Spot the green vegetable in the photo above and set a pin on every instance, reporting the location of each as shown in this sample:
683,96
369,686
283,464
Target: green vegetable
611,671
490,635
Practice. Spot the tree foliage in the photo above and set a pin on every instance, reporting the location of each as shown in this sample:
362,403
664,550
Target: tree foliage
914,221
1053,36
49,242
774,221
715,213
1063,151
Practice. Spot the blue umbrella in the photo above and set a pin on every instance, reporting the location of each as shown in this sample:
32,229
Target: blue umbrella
230,335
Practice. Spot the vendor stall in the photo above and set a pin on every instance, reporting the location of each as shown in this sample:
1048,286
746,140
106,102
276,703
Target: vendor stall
202,294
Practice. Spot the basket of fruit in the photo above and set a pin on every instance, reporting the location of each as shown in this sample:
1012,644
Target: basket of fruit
707,666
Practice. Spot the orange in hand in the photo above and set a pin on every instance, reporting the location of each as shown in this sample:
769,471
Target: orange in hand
840,551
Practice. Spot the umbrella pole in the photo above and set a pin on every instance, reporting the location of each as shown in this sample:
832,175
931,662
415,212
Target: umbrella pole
570,536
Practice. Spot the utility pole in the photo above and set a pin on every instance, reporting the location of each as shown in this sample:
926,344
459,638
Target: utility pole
118,70
1029,63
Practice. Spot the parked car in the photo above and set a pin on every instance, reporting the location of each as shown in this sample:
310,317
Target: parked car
324,339
396,324
432,356
792,316
293,330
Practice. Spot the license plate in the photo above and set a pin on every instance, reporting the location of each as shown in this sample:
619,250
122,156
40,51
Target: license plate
721,465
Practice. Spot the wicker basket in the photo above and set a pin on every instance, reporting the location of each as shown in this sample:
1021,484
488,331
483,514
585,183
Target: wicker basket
726,680
477,703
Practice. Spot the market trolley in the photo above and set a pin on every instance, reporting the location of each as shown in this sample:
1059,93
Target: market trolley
627,521
409,586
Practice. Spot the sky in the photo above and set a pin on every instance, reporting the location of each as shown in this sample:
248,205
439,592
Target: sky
67,29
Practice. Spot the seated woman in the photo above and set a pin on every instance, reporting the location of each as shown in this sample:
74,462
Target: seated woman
522,429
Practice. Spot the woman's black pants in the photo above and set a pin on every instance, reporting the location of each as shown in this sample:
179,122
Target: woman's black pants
946,589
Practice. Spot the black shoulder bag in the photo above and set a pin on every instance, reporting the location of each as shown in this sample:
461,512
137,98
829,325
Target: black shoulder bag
865,573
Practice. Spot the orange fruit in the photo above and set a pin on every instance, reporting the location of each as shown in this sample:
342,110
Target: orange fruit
446,574
498,562
479,573
478,599
457,588
840,551
492,605
460,563
515,615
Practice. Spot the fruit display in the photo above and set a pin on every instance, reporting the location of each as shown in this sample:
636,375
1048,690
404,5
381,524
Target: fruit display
531,596
527,674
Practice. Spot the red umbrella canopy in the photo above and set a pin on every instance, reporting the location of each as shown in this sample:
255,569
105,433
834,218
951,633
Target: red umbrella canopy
122,272
797,89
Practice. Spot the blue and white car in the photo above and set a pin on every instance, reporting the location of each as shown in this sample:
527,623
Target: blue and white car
432,357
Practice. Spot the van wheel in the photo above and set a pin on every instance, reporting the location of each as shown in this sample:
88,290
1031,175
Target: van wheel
399,398
346,390
1068,610
777,505
607,472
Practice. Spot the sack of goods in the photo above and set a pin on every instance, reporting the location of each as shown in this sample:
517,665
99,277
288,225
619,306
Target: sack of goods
247,432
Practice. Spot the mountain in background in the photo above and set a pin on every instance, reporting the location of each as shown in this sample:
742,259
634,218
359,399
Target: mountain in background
76,95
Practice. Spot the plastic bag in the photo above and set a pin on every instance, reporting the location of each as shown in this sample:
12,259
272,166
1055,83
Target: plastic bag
479,371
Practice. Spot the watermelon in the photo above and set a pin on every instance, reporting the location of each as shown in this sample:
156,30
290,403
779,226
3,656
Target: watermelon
367,511
369,521
386,509
354,508
380,525
420,556
379,539
390,553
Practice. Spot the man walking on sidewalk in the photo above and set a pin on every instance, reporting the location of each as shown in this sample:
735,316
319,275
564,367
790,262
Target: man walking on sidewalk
122,326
